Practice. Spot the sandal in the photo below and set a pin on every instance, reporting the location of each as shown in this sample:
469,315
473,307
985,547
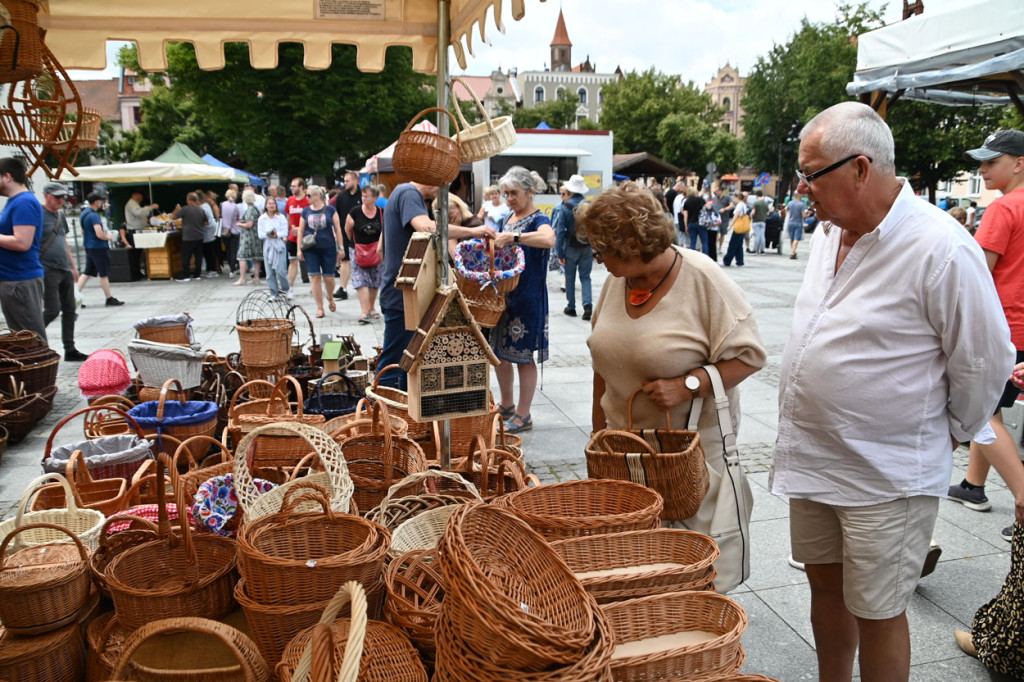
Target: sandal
374,314
332,306
518,423
364,319
319,313
506,412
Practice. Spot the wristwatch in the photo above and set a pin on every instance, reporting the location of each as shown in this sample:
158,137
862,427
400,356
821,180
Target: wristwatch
516,238
693,383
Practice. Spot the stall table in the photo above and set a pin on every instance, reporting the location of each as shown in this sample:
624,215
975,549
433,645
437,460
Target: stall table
163,252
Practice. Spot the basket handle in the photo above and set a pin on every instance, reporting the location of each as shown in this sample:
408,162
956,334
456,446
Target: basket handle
353,592
163,469
476,101
312,331
163,397
238,392
304,491
421,475
79,475
381,420
279,390
136,521
86,410
440,110
351,384
376,377
600,440
629,411
82,551
69,496
193,463
255,669
139,479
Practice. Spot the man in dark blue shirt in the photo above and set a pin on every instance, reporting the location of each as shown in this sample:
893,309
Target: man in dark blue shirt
97,246
21,273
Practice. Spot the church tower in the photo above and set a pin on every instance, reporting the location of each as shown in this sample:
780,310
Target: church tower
561,47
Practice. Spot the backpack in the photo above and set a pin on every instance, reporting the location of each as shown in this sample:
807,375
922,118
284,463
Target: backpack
708,217
572,236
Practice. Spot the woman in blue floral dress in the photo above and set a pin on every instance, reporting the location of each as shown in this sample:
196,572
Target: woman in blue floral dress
523,328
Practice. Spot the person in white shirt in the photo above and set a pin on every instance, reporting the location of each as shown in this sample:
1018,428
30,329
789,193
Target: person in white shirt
494,209
898,352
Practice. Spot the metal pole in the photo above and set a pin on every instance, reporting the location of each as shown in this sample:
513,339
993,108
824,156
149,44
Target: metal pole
443,30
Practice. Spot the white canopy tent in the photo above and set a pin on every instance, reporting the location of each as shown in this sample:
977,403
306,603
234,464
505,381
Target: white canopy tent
971,55
152,171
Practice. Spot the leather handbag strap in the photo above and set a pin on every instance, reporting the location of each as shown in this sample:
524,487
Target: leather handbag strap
732,456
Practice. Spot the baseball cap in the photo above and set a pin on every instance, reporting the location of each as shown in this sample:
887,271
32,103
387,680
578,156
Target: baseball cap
998,143
95,196
55,189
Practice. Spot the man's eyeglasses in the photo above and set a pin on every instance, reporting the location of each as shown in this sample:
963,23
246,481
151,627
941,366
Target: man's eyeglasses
811,177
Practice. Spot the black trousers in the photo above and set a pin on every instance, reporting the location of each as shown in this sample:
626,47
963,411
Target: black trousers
59,299
211,251
190,248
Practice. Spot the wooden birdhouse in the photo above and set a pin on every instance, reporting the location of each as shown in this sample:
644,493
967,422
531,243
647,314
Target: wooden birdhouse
333,351
417,278
447,362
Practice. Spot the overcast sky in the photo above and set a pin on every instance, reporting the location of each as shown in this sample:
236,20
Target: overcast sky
691,38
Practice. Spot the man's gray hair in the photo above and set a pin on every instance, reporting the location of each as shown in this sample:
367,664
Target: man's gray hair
854,128
518,177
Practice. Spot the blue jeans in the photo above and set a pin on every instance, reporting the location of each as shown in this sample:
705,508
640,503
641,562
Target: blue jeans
396,339
277,279
735,249
759,242
696,231
578,258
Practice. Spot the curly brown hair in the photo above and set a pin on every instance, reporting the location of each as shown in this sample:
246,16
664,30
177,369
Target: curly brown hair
627,222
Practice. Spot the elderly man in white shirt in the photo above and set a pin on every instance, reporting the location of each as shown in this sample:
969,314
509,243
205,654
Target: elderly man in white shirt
898,351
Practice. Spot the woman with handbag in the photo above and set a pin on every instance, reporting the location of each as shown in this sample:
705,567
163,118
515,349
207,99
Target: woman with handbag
250,247
689,316
363,226
273,229
320,228
740,230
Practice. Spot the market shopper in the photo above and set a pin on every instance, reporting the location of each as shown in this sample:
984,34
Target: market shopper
363,226
494,209
97,246
229,229
272,228
294,205
250,248
574,252
520,338
211,241
59,266
21,274
898,352
344,201
664,313
136,217
322,223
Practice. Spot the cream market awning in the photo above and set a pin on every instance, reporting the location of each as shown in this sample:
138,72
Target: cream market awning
151,171
77,30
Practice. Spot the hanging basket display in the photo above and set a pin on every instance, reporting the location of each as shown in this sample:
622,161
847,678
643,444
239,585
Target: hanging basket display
486,139
428,158
21,44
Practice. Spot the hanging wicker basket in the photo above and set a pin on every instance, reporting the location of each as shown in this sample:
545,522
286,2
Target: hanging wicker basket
21,43
427,158
486,139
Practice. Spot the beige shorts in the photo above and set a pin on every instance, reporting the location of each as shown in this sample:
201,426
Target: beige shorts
882,548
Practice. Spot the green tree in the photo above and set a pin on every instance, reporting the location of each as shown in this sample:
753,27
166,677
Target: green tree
288,118
690,142
635,107
559,113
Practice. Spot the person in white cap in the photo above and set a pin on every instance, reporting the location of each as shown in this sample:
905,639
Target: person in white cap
574,252
59,266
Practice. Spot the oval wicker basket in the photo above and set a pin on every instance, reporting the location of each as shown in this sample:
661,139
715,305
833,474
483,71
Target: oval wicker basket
485,139
84,523
424,530
587,507
106,495
427,158
57,656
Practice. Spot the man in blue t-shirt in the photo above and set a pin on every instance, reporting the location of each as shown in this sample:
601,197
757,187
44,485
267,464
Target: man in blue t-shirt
97,246
406,213
21,273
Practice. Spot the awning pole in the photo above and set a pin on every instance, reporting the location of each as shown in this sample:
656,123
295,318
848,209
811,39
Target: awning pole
443,19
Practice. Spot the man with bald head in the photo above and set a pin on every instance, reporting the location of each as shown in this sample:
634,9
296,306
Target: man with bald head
898,352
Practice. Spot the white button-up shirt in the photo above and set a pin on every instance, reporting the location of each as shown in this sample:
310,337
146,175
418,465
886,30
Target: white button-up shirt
903,346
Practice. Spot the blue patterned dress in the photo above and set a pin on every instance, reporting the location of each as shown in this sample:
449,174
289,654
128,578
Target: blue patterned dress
523,328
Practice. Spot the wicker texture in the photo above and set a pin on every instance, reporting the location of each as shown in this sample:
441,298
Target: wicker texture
115,455
179,574
106,495
20,415
175,334
158,362
112,544
637,619
669,461
57,656
42,588
336,474
587,507
427,158
265,342
403,508
107,422
659,560
336,404
84,523
281,448
181,410
485,139
397,402
508,596
288,558
251,666
34,371
21,56
415,589
360,421
424,530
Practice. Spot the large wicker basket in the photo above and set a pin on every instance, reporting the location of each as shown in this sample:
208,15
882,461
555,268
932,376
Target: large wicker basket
57,656
33,371
21,54
85,523
486,297
158,362
266,342
425,157
486,139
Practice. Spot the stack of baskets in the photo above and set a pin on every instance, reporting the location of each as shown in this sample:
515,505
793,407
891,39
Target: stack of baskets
485,274
28,376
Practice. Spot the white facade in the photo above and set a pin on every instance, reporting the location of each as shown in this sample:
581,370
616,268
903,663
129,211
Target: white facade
545,86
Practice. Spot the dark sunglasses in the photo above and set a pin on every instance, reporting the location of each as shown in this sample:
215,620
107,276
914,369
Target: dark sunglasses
811,177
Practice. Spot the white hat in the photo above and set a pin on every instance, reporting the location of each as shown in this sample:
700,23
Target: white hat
576,184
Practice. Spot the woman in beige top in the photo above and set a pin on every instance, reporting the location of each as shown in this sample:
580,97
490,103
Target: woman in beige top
663,314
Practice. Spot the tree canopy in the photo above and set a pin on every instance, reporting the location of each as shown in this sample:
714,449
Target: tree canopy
289,118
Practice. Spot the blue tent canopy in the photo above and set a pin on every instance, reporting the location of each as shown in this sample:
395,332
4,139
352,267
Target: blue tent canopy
254,180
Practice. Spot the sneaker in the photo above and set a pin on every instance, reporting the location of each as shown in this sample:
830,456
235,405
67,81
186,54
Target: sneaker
182,279
289,295
113,301
972,499
588,311
931,560
792,256
196,279
1007,533
211,275
74,355
571,312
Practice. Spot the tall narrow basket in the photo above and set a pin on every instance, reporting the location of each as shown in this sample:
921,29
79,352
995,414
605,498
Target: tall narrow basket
21,54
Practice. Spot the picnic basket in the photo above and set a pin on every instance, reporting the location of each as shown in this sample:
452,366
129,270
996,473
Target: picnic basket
85,523
181,419
669,461
275,447
585,507
485,274
178,574
115,456
112,543
350,649
158,362
106,495
486,139
104,372
42,588
428,158
56,656
677,635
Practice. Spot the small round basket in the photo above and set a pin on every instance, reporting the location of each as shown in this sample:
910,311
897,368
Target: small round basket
485,274
426,157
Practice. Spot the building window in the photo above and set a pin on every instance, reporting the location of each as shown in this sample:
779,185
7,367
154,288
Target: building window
727,103
501,91
560,92
582,92
137,115
538,94
600,96
974,184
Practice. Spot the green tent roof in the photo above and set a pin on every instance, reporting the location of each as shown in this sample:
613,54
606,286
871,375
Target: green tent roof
180,153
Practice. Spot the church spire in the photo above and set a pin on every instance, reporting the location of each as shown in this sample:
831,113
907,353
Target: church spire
561,47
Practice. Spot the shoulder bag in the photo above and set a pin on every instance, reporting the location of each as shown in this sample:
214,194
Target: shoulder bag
742,224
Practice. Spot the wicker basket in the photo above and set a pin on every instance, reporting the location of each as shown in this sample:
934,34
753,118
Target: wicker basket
57,656
250,665
427,158
176,334
23,338
699,636
33,372
112,544
4,437
588,507
335,404
159,362
669,461
176,575
486,139
508,596
181,419
397,401
266,342
107,422
361,421
19,415
85,523
115,456
106,495
276,448
21,56
42,588
494,472
486,300
350,649
424,530
287,558
415,590
639,563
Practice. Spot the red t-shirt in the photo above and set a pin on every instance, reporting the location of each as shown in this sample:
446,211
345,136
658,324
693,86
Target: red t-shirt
1002,232
294,208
